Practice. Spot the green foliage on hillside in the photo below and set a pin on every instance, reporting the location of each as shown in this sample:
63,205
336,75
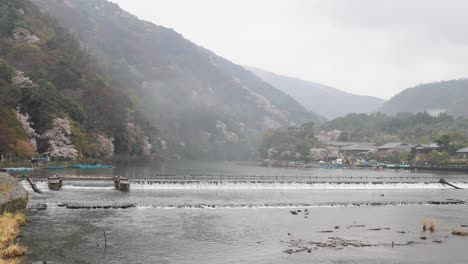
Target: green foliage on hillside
411,128
45,73
203,108
13,138
291,143
6,72
297,143
449,96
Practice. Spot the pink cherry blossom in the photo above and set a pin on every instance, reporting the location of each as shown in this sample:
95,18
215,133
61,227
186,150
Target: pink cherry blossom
106,146
27,126
60,145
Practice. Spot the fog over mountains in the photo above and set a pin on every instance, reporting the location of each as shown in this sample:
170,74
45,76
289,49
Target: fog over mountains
145,90
203,105
323,100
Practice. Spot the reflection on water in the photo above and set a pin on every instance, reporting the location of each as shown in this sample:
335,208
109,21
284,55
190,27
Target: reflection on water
150,171
243,225
239,236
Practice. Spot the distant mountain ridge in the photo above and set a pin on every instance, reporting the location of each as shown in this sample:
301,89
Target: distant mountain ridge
444,96
323,100
203,105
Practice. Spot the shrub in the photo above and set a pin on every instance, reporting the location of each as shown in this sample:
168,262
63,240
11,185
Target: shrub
460,232
6,72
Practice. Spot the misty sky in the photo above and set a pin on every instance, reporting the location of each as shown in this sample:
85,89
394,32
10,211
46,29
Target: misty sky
367,47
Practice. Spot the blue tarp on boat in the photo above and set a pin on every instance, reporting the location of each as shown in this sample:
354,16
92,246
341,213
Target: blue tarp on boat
18,169
85,166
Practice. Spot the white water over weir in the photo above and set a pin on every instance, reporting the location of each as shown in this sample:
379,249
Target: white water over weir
278,185
244,182
236,182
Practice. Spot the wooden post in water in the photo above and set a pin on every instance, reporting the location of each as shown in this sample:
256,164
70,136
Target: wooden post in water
105,240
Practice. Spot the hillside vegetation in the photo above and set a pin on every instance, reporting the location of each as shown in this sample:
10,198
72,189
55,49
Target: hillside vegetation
308,141
53,96
411,128
204,105
445,96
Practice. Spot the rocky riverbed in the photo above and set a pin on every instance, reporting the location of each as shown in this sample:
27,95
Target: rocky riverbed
429,233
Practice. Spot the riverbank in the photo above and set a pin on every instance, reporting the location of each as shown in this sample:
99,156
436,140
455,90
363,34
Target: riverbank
10,224
13,196
15,164
13,201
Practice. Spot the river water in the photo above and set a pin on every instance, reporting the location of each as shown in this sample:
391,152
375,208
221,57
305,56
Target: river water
363,216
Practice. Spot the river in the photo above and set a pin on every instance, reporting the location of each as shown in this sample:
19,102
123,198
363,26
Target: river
377,219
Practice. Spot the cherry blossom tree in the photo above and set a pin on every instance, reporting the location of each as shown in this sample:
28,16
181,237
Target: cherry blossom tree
60,145
138,138
145,146
27,125
318,154
23,81
326,136
106,146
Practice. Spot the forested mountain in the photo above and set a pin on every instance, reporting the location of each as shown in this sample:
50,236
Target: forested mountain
411,128
53,96
323,100
299,143
204,106
445,96
309,142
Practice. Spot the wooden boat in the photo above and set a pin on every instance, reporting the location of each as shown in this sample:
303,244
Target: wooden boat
55,182
122,183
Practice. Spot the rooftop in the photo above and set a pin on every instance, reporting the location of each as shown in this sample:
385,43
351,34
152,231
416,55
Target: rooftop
346,143
463,150
393,145
358,147
427,146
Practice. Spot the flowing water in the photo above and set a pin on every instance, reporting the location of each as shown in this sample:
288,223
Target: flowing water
240,213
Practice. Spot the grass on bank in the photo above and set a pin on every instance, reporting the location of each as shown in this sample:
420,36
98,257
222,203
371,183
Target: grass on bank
5,189
9,232
429,225
460,232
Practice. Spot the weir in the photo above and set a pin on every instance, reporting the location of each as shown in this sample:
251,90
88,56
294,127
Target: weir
299,178
56,182
262,178
203,181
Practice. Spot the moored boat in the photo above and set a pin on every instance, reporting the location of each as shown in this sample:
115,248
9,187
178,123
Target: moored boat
55,182
18,169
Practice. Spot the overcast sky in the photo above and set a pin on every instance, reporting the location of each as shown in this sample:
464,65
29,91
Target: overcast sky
367,47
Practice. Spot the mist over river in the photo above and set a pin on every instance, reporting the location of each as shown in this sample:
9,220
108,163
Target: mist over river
213,219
